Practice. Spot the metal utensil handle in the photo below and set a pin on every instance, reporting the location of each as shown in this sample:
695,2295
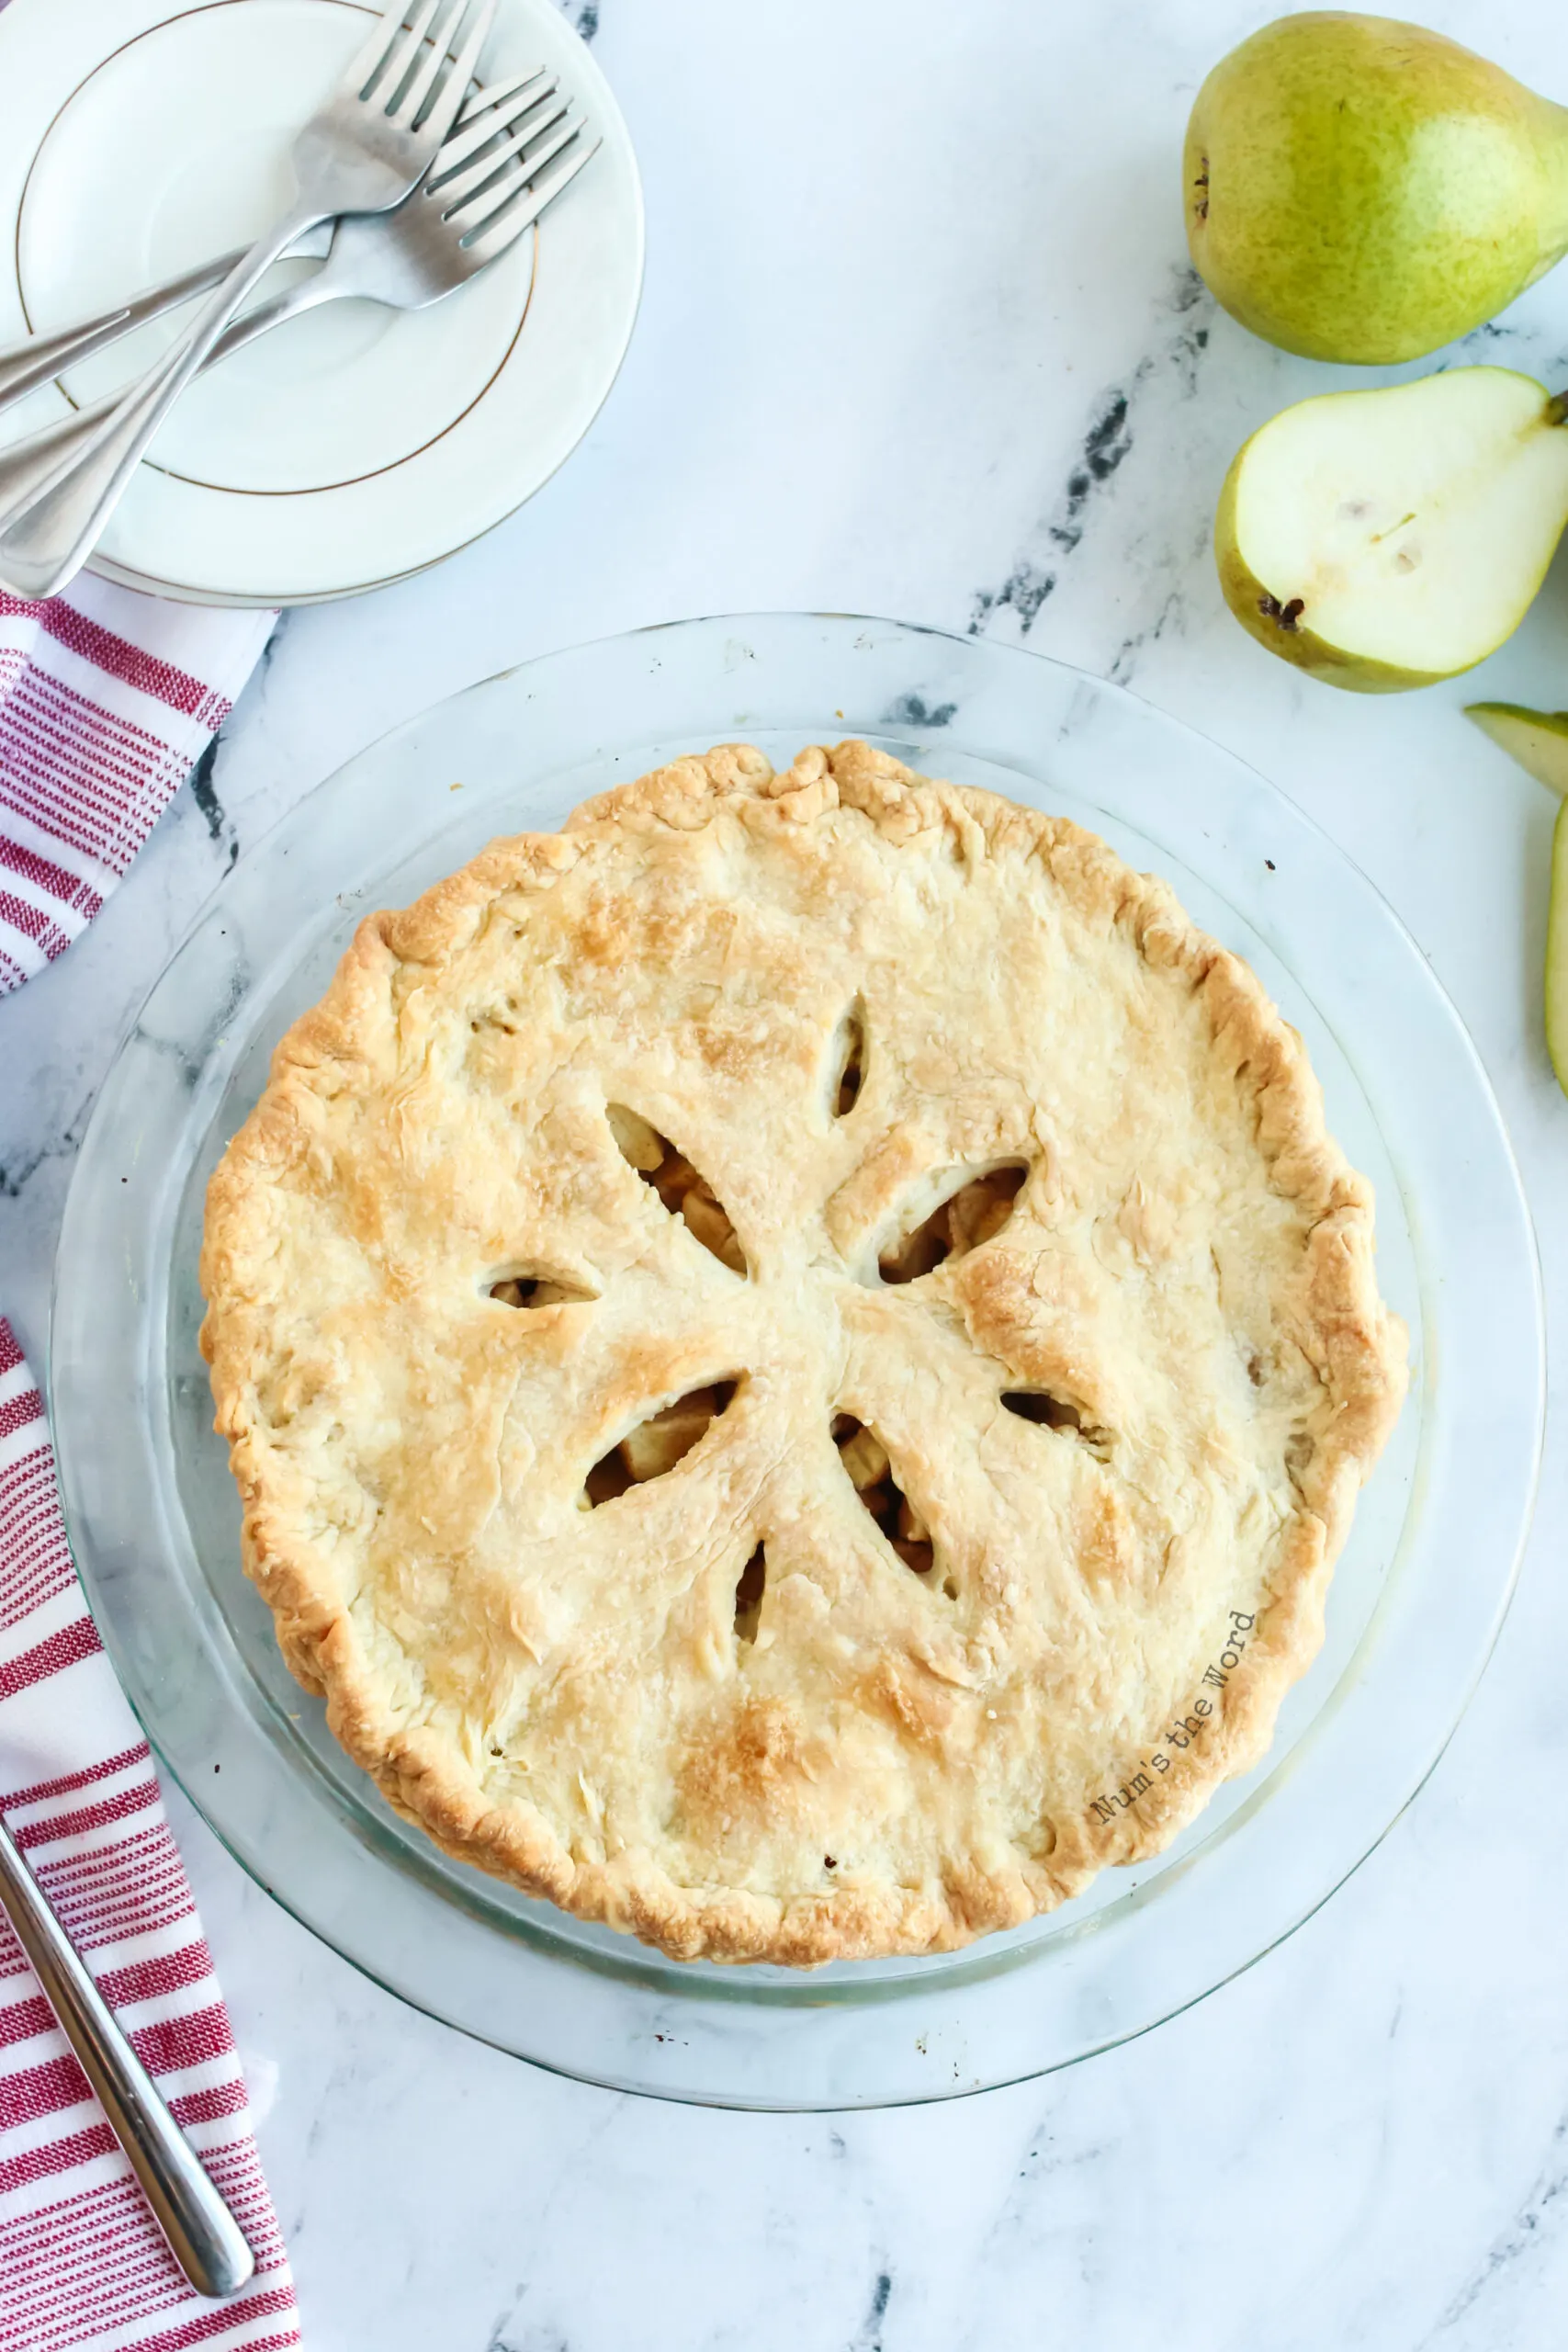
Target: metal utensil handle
25,466
206,2240
25,366
46,543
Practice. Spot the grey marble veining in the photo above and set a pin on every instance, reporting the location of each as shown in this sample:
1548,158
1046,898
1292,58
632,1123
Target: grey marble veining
920,337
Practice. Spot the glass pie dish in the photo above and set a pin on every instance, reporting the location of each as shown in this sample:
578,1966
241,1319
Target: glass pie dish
1419,1592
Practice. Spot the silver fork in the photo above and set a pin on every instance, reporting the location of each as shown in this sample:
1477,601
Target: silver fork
481,193
362,151
204,2238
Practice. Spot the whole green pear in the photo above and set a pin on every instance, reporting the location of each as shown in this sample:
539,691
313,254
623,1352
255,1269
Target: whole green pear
1361,189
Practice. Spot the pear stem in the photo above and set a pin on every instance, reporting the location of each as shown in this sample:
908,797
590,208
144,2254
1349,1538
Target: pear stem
1557,410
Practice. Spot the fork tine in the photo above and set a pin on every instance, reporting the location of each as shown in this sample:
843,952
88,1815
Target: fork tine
497,116
385,81
397,56
368,59
509,224
456,189
485,102
404,105
494,198
454,89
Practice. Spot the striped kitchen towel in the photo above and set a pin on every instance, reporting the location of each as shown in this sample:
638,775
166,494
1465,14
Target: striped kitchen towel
82,2267
107,698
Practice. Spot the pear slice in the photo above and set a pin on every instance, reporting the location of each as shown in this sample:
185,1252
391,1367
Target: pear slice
1386,539
1539,741
1537,738
1557,952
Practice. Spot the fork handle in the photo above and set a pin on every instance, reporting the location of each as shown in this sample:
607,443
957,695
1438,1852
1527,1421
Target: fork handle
203,2237
39,358
25,366
27,467
46,538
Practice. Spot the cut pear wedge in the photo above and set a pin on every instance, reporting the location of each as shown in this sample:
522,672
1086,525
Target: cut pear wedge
1557,952
1537,738
1386,540
1539,741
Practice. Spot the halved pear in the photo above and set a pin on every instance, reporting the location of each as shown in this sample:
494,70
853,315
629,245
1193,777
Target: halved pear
1386,539
1539,741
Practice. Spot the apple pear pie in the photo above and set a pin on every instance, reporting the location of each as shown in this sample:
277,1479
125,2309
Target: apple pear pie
798,1356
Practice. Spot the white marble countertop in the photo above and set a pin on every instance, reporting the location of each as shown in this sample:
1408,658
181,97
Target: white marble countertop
920,338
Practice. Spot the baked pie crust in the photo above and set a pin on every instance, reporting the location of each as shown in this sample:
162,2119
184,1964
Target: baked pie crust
798,1356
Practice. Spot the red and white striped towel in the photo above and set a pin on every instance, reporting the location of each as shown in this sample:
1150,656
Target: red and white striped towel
82,2267
106,700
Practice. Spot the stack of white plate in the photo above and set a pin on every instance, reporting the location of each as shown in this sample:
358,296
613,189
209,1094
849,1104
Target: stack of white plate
357,444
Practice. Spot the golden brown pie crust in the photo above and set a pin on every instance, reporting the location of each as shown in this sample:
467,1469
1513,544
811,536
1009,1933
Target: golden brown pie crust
1091,1614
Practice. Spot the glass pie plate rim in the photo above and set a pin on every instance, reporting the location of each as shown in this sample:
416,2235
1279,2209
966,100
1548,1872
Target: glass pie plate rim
146,1491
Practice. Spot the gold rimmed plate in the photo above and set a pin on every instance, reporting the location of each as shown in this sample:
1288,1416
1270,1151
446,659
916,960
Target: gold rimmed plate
356,444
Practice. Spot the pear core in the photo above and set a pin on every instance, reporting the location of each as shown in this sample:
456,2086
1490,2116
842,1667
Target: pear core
1388,538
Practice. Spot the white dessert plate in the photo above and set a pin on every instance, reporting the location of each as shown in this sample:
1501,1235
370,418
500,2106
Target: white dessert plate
355,444
1418,1596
